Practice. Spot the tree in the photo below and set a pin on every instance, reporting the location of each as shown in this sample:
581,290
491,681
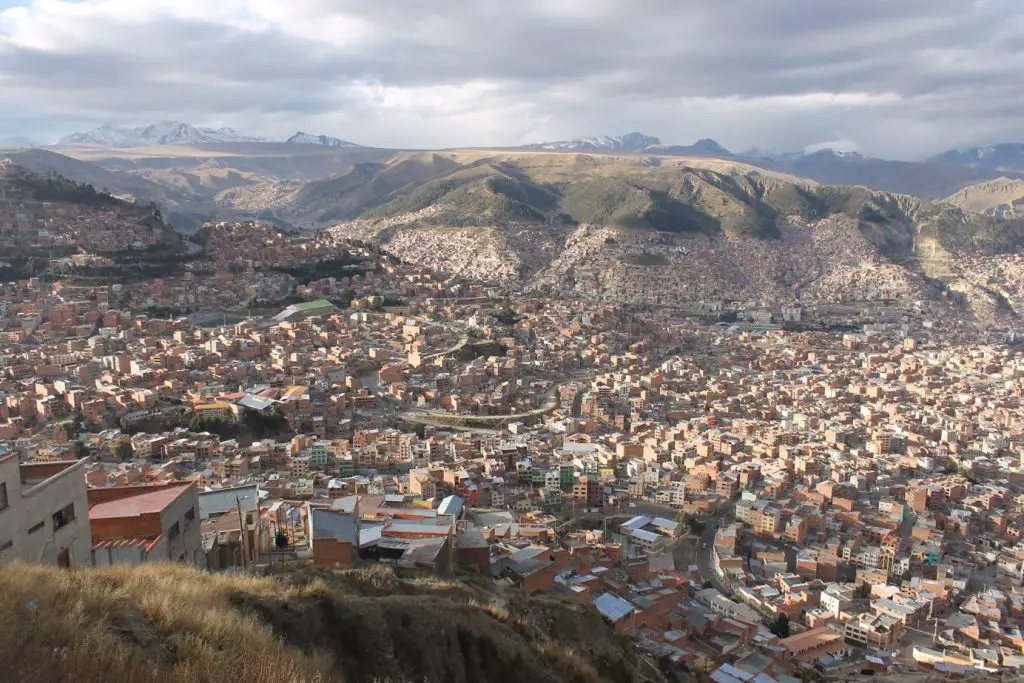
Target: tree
73,427
79,450
780,626
122,450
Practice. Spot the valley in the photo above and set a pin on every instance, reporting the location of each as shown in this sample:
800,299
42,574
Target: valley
625,219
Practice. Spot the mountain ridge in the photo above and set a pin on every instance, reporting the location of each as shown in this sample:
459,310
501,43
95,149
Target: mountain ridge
160,133
630,142
301,138
1006,156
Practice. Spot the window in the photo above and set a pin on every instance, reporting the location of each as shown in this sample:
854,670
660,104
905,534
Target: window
190,516
3,496
64,516
36,527
174,531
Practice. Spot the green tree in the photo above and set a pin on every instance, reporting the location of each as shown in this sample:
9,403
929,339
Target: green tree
79,450
780,626
122,450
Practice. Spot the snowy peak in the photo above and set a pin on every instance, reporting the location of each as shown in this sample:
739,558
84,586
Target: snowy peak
1006,156
631,142
301,138
161,133
829,152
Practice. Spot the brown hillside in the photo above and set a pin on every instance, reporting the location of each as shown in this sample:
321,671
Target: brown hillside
174,624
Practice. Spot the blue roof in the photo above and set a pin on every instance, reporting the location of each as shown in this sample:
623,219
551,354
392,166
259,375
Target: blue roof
612,607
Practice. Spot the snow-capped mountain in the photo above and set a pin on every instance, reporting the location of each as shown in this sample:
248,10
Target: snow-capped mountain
1007,156
632,142
301,138
162,133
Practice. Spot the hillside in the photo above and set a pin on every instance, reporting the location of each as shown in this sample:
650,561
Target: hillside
184,208
55,227
688,229
467,190
999,197
675,233
171,624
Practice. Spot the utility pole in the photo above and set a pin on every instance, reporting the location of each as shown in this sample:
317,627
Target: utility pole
243,532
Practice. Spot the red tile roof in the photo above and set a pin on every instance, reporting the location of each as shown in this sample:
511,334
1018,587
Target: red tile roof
144,542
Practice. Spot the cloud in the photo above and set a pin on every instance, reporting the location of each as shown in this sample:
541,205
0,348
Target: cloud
900,79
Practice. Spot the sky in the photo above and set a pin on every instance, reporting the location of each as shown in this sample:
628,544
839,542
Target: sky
899,79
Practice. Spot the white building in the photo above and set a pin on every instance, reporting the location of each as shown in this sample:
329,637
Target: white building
44,512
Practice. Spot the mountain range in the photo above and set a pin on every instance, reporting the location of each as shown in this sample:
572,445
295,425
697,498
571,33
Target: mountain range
627,227
631,142
301,138
1008,156
162,133
178,133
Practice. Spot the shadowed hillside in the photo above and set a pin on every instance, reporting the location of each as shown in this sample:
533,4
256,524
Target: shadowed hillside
172,624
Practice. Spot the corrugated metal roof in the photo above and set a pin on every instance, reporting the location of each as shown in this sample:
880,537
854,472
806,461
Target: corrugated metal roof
452,505
612,607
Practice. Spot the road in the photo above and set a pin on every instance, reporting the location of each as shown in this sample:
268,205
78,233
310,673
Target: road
444,419
704,555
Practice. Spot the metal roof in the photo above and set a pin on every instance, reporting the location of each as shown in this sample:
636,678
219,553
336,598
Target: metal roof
612,607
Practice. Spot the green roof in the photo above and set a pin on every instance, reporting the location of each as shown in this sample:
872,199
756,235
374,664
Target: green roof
311,305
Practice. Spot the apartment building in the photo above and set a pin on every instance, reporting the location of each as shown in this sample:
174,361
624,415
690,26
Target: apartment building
136,524
43,512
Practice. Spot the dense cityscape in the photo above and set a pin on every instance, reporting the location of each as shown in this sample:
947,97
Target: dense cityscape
750,491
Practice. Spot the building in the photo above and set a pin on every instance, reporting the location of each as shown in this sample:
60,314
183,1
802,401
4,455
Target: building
878,631
334,538
837,598
307,309
136,524
813,644
43,512
587,491
222,512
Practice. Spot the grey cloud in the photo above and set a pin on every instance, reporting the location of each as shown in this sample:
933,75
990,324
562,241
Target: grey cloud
578,67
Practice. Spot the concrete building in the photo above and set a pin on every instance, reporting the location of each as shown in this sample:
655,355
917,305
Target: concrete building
136,524
43,514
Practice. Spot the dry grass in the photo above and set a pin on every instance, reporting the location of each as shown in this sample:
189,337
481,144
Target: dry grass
153,623
173,624
569,662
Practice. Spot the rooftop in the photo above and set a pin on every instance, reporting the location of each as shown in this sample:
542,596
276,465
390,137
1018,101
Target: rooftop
144,502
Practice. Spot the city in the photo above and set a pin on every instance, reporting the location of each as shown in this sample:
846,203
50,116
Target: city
490,342
742,499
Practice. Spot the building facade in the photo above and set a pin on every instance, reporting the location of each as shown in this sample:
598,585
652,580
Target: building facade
44,512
